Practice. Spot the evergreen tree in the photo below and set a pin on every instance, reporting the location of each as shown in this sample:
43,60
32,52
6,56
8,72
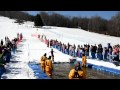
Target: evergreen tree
38,20
19,15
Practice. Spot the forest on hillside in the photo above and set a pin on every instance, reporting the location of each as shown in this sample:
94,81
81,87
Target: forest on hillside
94,24
17,15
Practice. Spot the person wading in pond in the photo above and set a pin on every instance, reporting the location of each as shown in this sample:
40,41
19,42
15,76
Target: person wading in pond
42,62
48,66
76,72
84,60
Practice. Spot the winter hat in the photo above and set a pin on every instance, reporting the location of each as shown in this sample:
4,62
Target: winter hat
76,63
49,57
45,54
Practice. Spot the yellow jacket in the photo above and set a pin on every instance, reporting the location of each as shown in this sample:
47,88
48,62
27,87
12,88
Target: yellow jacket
84,60
42,60
72,74
48,65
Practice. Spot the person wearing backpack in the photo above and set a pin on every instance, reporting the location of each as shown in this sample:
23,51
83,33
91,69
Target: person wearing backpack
76,72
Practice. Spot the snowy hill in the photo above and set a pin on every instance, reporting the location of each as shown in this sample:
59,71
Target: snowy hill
79,36
32,49
65,34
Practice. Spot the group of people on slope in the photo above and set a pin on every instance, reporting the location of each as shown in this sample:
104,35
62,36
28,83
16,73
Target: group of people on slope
5,50
7,47
109,53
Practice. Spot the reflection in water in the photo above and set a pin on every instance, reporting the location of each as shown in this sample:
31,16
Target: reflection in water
84,71
61,71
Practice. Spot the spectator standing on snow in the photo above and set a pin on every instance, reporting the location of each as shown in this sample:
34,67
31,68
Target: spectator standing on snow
14,46
0,49
80,52
105,53
52,54
8,55
115,53
21,36
119,52
5,51
18,35
48,43
92,52
74,50
39,36
110,54
77,53
68,47
5,38
1,42
99,52
1,59
87,50
109,47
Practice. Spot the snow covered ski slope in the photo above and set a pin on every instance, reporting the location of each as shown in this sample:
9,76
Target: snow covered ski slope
31,48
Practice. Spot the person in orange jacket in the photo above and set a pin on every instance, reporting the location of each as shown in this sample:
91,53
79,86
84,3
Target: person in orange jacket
84,60
48,66
76,72
42,62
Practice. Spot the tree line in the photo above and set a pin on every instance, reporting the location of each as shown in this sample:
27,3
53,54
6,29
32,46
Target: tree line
94,24
18,15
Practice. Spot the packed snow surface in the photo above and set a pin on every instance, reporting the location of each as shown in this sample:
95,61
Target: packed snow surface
31,48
